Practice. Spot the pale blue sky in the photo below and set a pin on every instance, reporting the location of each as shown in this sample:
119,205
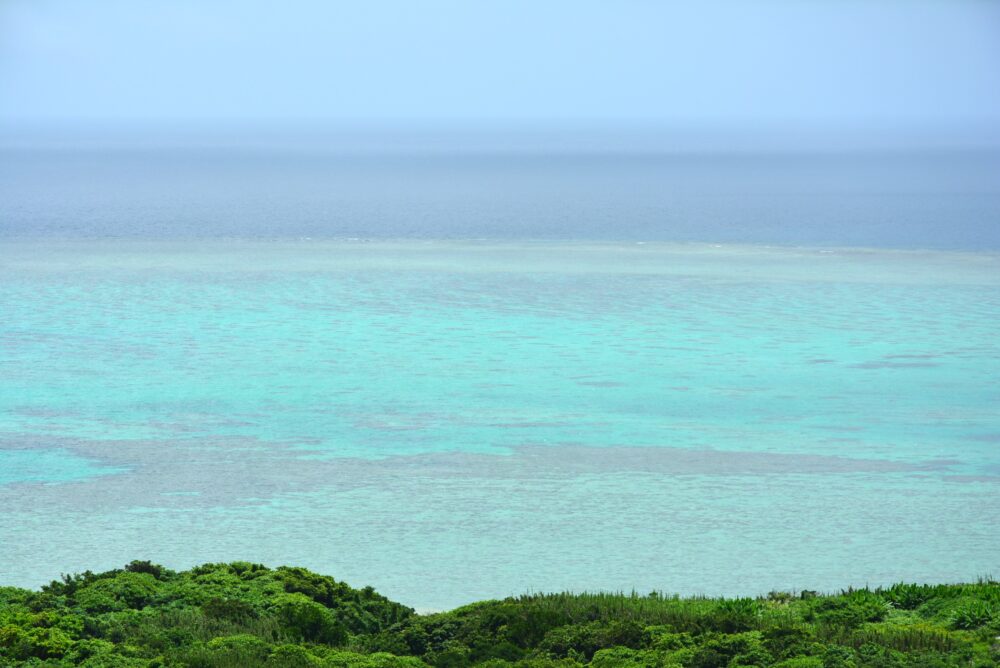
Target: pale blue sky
819,62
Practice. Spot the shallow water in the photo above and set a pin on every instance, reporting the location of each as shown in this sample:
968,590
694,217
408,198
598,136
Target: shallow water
449,420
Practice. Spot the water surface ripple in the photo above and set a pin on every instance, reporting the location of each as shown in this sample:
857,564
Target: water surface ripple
450,421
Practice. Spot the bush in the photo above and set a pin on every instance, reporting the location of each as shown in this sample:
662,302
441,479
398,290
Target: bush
38,643
663,639
907,596
377,660
292,656
741,649
788,640
586,639
243,648
852,609
629,658
309,620
838,657
972,615
801,662
231,609
121,592
148,567
736,615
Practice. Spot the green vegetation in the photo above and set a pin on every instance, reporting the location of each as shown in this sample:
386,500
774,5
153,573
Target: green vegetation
244,615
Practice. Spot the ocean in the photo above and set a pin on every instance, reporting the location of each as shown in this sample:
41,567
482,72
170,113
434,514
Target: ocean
457,375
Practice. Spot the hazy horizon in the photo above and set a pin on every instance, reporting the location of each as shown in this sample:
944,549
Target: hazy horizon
496,136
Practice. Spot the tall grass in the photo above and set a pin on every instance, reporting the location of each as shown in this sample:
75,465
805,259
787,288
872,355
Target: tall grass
650,610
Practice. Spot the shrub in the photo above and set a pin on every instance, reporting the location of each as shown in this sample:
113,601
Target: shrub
788,640
851,609
628,658
121,592
838,657
231,609
585,639
451,654
735,615
309,620
874,656
292,656
148,567
377,660
907,596
740,649
972,615
244,646
663,639
38,643
801,662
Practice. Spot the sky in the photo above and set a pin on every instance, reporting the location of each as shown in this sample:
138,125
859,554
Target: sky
820,62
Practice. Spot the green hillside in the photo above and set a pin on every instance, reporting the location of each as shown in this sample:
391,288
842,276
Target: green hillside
245,615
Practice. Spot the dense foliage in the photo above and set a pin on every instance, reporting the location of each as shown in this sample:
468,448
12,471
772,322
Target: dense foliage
245,615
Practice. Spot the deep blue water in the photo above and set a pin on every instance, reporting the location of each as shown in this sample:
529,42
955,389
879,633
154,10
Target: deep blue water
902,199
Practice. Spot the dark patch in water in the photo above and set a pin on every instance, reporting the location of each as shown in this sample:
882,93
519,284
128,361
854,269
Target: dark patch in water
985,438
530,425
242,472
972,478
893,365
836,427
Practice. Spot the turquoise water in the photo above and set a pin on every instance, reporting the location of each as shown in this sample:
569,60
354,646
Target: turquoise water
51,465
449,421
